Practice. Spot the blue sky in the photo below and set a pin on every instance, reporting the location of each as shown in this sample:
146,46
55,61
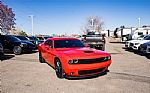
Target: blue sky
69,16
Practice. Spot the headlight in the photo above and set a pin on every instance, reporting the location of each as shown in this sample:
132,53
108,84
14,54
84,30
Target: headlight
137,43
23,44
73,61
109,58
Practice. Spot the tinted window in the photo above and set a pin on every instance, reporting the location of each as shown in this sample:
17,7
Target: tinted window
49,43
22,37
40,38
140,33
68,43
32,38
147,38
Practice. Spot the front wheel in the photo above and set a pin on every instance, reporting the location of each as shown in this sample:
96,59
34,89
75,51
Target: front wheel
41,59
17,50
59,69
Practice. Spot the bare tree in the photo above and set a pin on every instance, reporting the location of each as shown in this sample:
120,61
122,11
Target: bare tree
94,24
7,17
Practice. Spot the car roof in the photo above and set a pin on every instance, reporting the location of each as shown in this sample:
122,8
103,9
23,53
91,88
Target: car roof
62,38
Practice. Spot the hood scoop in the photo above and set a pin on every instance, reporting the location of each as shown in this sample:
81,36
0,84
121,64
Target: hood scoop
88,51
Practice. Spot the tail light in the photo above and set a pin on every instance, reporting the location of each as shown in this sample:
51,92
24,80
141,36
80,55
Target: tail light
84,38
103,39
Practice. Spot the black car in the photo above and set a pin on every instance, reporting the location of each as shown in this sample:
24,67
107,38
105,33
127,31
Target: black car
16,45
145,48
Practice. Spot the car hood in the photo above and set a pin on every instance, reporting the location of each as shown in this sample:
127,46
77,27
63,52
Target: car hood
82,52
138,41
134,41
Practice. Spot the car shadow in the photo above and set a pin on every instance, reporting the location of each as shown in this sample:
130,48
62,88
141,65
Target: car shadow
30,52
84,78
138,53
147,56
6,57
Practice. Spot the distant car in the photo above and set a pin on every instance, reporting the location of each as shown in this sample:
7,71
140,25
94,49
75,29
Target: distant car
16,45
1,50
71,58
26,39
36,40
134,44
46,37
145,48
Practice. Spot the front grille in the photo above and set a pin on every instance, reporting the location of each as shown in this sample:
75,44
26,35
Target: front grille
91,61
131,44
83,72
148,49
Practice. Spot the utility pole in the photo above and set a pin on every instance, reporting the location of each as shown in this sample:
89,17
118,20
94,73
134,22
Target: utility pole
32,16
139,22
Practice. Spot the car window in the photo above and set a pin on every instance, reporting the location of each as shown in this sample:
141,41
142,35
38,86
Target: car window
49,43
22,37
12,38
40,38
147,38
68,43
140,33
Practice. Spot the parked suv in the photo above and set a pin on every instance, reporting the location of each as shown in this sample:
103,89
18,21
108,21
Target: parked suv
25,39
14,44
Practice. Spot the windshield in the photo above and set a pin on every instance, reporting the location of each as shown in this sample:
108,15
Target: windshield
68,43
147,38
32,38
13,38
22,37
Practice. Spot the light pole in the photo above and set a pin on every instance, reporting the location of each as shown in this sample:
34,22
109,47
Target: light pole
32,16
139,22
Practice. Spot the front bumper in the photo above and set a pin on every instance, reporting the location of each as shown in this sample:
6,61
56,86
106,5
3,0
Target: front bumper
29,48
147,50
86,70
135,47
86,76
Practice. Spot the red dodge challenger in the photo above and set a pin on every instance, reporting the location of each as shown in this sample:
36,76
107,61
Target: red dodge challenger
71,58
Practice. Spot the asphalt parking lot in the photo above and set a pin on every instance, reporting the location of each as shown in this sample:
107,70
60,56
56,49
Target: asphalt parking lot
129,73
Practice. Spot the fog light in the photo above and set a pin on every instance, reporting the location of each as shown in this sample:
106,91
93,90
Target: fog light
71,73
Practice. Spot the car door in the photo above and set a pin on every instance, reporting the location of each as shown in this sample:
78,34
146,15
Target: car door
4,42
49,55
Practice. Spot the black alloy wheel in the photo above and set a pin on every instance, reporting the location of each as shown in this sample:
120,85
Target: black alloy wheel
59,69
17,50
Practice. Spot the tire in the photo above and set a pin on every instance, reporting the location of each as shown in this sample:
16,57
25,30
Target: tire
103,48
17,50
41,59
58,69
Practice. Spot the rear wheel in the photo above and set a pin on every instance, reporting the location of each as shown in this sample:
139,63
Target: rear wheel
17,50
41,59
59,69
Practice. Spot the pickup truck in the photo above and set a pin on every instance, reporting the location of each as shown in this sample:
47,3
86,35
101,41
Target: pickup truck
94,40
